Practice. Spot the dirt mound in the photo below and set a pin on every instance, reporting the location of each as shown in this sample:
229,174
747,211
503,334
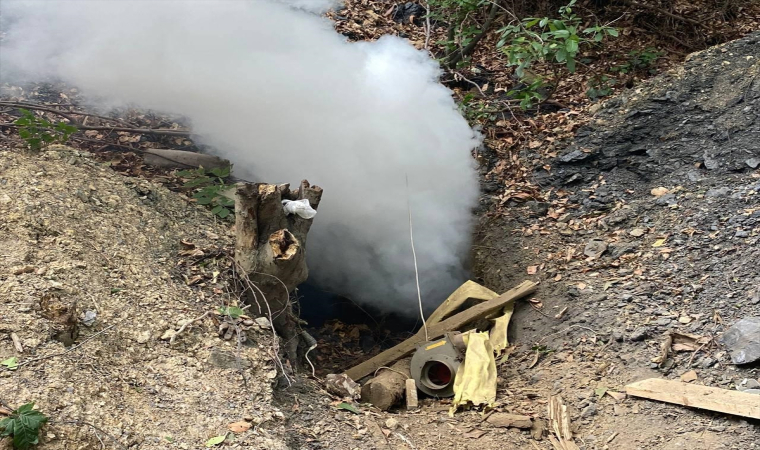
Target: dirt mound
74,231
700,120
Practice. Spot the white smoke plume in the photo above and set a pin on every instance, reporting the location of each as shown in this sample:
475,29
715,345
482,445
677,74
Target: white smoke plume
272,87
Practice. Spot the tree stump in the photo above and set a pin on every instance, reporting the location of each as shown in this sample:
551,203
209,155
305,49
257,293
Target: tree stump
270,252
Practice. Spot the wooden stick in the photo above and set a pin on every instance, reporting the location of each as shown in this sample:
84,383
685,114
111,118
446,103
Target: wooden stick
704,397
439,329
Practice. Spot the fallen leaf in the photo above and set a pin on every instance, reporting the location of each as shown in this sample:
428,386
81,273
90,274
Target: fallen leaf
581,286
689,376
618,396
239,427
637,232
347,407
685,319
659,242
532,270
216,440
600,391
474,434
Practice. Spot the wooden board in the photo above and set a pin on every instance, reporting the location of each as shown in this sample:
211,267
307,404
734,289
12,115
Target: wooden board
470,290
704,397
437,330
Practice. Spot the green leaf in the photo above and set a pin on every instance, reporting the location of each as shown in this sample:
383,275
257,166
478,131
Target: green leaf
348,407
571,46
216,209
223,213
232,311
216,440
571,64
600,391
561,55
24,425
613,32
11,363
23,121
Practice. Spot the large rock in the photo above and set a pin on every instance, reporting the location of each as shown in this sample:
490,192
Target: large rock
743,340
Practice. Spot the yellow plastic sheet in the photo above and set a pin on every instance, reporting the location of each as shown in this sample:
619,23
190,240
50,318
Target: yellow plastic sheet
498,337
475,382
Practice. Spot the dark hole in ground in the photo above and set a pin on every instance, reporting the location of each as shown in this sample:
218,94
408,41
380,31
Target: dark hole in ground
348,333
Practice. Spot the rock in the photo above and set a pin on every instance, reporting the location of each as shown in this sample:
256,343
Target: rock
743,340
263,322
343,386
706,362
752,391
666,200
639,334
143,337
227,360
753,163
718,192
168,334
748,383
595,248
88,319
573,156
391,424
589,411
617,336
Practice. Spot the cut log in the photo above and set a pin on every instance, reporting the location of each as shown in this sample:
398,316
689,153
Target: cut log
435,331
387,388
704,397
182,159
270,252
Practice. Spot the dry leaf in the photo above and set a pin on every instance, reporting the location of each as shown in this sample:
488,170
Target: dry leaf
474,434
637,232
659,242
239,427
689,376
532,270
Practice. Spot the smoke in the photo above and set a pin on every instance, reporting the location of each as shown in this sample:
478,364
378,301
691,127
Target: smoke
272,87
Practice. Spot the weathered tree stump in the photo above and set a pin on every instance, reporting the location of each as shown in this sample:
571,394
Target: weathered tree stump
270,251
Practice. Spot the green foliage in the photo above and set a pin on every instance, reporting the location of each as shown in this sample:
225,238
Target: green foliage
232,311
11,363
639,61
216,440
600,86
557,42
38,131
24,425
210,186
459,15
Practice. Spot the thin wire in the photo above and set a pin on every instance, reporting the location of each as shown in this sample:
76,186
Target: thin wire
414,254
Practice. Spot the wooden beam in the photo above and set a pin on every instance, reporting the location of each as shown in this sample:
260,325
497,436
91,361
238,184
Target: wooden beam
704,397
455,322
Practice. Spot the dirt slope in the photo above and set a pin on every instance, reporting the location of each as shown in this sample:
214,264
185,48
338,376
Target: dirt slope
73,230
685,259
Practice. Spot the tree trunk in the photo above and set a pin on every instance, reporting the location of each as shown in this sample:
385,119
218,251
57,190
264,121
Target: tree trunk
270,252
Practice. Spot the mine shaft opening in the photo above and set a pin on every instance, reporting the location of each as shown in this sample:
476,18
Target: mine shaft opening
347,332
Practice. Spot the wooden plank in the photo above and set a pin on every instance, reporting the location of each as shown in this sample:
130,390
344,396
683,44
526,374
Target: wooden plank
704,397
469,290
455,322
411,394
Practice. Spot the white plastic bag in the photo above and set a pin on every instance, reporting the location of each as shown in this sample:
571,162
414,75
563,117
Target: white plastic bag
300,207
